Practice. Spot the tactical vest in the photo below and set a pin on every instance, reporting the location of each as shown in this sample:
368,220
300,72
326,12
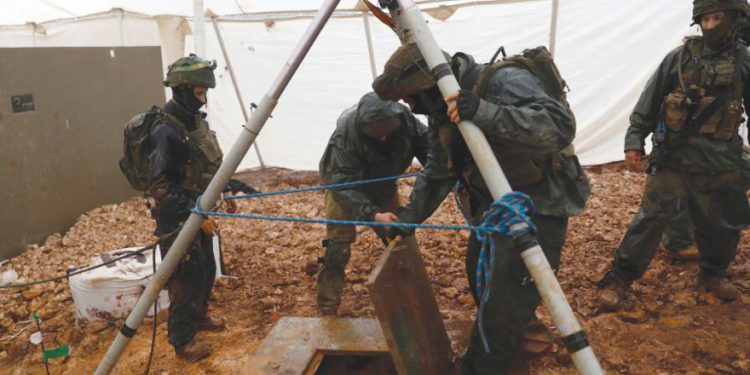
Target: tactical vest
521,169
701,82
204,152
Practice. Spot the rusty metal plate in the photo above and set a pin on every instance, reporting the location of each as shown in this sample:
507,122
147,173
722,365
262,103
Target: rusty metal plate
298,345
408,312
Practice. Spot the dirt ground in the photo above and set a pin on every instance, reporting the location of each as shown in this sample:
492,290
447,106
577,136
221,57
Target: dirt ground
668,326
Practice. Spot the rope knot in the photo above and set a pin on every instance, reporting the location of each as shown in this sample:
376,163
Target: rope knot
514,209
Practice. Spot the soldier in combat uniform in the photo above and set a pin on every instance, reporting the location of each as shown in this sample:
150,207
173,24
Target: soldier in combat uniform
694,105
373,139
530,133
184,157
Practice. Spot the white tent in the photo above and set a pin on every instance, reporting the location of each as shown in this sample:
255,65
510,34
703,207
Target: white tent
606,49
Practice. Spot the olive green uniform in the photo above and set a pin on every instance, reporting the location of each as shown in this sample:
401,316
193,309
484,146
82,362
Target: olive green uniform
701,167
352,156
678,234
530,134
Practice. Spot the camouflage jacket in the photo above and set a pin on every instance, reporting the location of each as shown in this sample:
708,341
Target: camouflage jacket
692,150
351,156
529,133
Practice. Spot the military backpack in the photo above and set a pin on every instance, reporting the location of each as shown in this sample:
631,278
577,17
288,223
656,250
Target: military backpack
135,164
204,150
540,63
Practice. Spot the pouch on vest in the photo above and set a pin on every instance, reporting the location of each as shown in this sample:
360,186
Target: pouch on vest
205,155
675,110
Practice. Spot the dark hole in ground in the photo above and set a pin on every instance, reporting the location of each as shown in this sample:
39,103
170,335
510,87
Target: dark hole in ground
359,364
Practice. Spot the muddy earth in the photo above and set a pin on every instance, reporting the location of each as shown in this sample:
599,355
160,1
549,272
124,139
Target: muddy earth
669,325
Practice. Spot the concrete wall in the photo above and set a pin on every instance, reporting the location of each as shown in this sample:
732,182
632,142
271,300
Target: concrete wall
58,155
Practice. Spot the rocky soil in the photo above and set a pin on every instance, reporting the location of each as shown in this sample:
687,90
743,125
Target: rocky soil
669,324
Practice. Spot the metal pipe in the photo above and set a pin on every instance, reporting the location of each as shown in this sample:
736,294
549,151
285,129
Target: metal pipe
199,28
234,84
553,27
370,51
211,195
533,257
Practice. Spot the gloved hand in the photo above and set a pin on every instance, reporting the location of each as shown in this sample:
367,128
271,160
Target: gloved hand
396,232
236,186
382,232
633,160
208,226
462,105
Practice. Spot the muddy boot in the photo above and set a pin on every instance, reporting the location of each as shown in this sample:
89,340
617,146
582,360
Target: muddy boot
720,286
614,290
688,254
210,324
193,351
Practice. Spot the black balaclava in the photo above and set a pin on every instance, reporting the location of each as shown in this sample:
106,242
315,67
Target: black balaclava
184,95
429,102
723,35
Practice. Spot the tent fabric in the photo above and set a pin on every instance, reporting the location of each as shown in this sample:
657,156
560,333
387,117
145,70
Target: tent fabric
606,50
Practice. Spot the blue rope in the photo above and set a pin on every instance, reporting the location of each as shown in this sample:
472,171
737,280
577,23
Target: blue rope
343,185
512,209
334,222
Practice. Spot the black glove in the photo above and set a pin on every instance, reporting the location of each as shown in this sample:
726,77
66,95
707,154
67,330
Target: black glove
467,104
400,231
238,186
382,233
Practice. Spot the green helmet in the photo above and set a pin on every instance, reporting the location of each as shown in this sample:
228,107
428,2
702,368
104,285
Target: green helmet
191,70
406,68
701,7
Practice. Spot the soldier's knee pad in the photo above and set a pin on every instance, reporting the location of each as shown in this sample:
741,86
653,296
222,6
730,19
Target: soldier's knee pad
337,254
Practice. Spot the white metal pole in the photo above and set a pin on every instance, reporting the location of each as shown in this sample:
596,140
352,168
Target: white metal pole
370,50
213,191
553,27
224,51
199,28
533,257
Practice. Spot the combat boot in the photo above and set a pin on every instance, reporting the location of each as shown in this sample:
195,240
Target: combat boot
720,286
193,351
688,254
614,290
210,324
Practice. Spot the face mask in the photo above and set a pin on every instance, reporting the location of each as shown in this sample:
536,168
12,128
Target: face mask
184,95
719,36
429,102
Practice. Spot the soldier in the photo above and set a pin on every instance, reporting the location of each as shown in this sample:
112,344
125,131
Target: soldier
184,156
530,133
693,104
373,139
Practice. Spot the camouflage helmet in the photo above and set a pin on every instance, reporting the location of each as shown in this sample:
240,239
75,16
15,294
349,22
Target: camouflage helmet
701,7
191,70
405,68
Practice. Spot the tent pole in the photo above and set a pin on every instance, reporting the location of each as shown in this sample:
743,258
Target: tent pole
191,227
121,24
224,51
553,27
370,51
199,28
536,263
